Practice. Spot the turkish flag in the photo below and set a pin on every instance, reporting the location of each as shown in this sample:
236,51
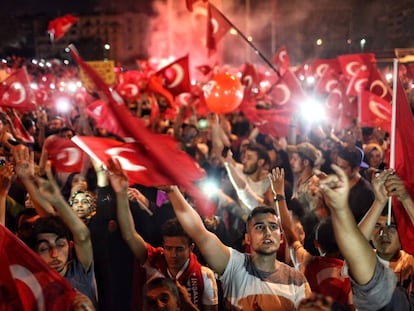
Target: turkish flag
27,283
135,159
15,91
59,26
65,155
319,66
358,82
166,156
217,27
155,85
334,104
176,76
404,159
103,117
378,85
281,60
21,130
286,95
374,111
328,82
351,64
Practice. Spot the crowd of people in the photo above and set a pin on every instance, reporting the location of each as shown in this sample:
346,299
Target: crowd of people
300,221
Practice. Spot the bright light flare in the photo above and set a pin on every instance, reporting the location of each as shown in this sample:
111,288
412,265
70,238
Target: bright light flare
388,76
63,105
209,187
313,112
310,80
72,87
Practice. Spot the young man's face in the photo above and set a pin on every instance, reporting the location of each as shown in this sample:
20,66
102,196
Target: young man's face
250,162
350,172
160,299
296,163
176,251
54,250
263,234
385,238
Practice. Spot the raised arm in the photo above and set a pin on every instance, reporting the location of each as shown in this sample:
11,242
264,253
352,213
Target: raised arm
119,182
367,224
214,251
359,255
24,167
49,190
6,175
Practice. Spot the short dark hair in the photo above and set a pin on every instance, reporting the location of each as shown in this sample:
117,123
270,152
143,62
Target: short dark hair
50,224
261,209
172,228
352,155
162,282
260,150
325,235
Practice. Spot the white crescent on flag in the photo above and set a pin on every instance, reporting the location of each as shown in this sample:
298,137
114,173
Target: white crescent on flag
352,68
125,163
73,156
24,275
286,94
379,110
17,86
179,75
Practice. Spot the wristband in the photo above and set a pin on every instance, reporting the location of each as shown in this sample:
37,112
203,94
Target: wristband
279,197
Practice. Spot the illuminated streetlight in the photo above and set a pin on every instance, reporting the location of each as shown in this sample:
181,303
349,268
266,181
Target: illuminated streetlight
362,43
107,46
319,42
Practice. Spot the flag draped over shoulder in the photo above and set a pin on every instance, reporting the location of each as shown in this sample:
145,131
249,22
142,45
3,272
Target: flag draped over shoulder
27,283
15,91
404,166
165,155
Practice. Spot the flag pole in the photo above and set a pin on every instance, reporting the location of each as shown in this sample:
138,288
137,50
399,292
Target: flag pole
256,50
393,126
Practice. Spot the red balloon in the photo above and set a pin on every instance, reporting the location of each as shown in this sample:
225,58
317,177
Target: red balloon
223,93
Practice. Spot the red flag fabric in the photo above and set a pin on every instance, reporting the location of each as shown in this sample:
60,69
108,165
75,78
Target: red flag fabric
285,96
166,156
358,82
404,159
103,117
374,111
21,130
15,91
352,63
217,27
155,85
378,85
334,104
319,66
189,4
281,60
328,82
59,26
135,159
27,282
65,155
176,76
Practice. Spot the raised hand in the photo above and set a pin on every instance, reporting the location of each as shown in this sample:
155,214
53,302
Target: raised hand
335,188
378,183
117,176
24,161
277,179
394,186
